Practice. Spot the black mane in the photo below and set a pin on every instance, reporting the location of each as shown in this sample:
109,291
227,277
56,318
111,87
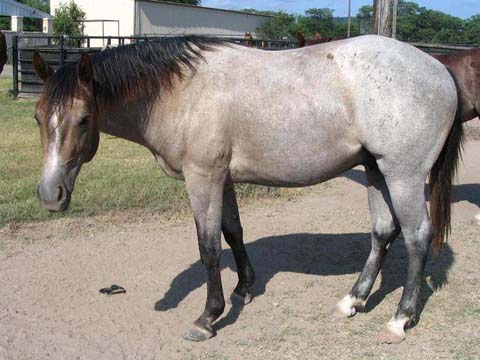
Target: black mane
132,71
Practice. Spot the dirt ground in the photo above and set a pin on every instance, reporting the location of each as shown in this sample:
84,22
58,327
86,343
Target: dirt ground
307,252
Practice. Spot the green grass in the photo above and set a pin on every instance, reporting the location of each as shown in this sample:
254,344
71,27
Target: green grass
122,176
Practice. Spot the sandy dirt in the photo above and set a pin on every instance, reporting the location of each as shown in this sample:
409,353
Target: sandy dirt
307,252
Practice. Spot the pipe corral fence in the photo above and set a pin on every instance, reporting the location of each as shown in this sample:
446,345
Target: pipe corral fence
59,50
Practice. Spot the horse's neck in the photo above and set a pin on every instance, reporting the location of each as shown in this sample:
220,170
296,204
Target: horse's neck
124,121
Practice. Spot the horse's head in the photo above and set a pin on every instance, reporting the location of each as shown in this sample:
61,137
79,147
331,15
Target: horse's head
301,39
66,116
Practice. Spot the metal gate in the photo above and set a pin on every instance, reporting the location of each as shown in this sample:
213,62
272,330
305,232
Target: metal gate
59,50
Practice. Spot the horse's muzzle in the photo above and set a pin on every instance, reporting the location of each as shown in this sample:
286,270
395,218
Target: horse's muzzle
54,198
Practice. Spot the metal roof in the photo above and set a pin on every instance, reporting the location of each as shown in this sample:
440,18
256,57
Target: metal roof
206,7
13,8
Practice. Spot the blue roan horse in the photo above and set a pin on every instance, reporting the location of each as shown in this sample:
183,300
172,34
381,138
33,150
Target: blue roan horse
372,101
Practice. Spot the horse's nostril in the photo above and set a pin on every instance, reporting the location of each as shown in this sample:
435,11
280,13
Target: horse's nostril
60,193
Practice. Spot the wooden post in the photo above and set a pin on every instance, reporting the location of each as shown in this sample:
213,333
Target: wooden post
349,18
394,20
381,17
15,56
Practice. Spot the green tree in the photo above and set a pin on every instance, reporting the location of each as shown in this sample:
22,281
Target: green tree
415,24
365,12
472,30
319,21
282,25
189,2
68,20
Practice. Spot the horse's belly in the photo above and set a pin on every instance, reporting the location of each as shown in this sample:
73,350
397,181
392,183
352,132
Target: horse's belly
297,166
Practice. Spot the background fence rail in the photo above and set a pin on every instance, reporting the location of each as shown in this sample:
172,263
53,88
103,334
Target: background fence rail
59,50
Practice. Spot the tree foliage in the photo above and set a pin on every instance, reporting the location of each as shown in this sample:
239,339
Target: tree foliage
415,24
68,20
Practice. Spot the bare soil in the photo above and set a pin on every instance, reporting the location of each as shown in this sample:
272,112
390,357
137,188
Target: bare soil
307,251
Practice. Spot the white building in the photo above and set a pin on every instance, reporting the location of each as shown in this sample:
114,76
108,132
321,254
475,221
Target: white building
153,17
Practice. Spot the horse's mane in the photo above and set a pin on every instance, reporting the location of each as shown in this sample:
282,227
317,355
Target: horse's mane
140,70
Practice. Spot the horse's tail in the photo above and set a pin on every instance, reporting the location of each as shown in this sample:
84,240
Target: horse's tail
442,177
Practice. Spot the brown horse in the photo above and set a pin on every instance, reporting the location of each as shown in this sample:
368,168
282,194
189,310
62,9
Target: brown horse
3,51
248,39
317,39
465,68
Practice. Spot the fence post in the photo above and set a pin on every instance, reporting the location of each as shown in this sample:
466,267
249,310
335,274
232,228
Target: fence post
62,45
15,65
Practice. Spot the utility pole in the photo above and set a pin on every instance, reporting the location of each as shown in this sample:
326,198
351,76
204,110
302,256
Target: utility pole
381,17
349,17
395,18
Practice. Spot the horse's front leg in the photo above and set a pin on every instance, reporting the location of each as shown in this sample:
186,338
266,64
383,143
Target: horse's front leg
232,230
206,192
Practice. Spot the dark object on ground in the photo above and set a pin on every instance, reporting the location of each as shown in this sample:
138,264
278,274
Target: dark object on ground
113,290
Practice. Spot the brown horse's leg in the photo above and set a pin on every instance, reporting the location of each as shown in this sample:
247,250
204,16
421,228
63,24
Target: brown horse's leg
233,232
385,231
206,193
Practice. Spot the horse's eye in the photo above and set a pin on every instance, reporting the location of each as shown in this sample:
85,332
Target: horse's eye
84,123
35,117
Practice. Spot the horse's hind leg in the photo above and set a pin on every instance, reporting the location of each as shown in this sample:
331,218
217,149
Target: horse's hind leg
233,232
408,199
385,230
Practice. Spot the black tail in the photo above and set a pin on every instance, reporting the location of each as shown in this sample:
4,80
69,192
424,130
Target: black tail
442,177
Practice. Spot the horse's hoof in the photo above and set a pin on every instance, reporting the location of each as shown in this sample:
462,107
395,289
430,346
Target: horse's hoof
239,299
198,334
394,333
346,307
341,313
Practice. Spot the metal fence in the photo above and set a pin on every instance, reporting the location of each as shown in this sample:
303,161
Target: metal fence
59,50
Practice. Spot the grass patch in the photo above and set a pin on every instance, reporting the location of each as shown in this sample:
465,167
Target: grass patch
122,176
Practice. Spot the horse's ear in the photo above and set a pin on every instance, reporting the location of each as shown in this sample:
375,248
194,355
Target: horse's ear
43,70
85,70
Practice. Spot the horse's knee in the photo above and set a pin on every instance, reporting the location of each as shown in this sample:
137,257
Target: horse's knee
384,231
418,240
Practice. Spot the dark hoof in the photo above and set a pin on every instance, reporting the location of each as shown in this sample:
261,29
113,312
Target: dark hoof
198,334
237,299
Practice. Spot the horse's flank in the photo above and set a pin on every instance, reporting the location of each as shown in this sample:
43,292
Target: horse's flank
465,68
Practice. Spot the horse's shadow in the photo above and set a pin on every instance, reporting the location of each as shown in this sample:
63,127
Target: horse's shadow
462,192
318,254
